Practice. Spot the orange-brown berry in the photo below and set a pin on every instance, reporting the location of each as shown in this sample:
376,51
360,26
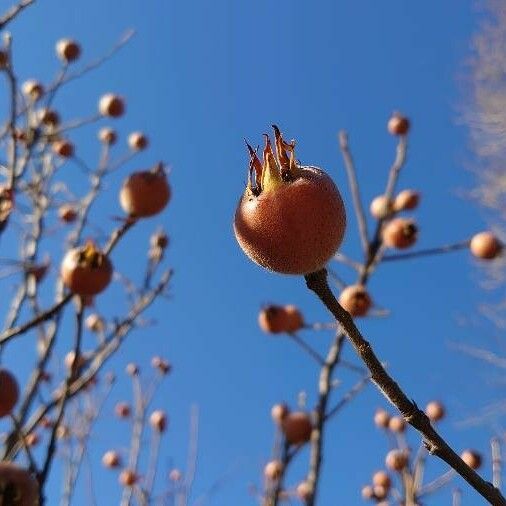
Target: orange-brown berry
406,200
381,418
396,460
356,300
276,319
111,105
485,246
472,458
435,411
297,427
137,141
398,124
400,233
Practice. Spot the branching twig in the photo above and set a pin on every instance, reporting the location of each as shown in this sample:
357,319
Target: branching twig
13,12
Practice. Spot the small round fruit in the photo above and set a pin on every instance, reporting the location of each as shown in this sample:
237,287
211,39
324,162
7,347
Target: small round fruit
127,478
4,59
303,491
381,207
292,219
32,439
107,136
381,479
435,411
276,319
122,410
396,460
132,369
380,492
68,50
67,213
381,418
111,459
63,148
32,89
400,233
471,458
9,392
485,245
145,193
406,200
297,427
159,240
356,300
111,105
175,475
161,365
49,117
273,470
95,323
137,141
367,492
398,124
397,424
279,412
158,421
19,487
86,270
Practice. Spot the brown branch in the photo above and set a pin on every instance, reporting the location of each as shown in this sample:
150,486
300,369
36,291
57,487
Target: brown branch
13,12
427,252
355,191
317,282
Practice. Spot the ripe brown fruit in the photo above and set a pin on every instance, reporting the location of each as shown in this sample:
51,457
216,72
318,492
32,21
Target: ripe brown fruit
145,193
435,411
273,470
381,207
111,459
9,392
400,233
279,412
67,213
4,59
381,479
95,323
111,105
380,492
107,136
161,365
485,246
356,300
471,458
398,124
158,420
303,491
397,424
19,487
63,148
86,270
396,460
68,50
406,200
137,141
32,89
132,369
381,418
367,492
291,218
297,427
276,319
49,117
122,410
127,478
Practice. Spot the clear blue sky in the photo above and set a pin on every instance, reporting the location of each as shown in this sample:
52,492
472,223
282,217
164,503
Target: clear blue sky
199,77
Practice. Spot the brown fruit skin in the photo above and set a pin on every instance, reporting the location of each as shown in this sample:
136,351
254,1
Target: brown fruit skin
400,233
273,470
122,410
111,105
303,491
380,492
471,458
367,492
4,59
137,141
33,89
485,246
355,300
297,427
9,392
279,412
49,117
397,424
111,459
398,124
396,460
127,478
381,479
145,193
158,421
107,136
68,50
406,200
20,488
67,213
381,207
63,148
435,411
294,229
381,418
85,279
276,319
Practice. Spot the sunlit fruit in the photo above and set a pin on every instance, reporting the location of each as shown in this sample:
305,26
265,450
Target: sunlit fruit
160,364
86,270
158,420
303,491
381,207
471,458
137,141
435,411
9,392
67,213
398,124
49,117
132,369
63,148
485,246
291,218
381,478
273,470
32,89
68,50
145,193
111,105
297,427
19,487
111,459
127,478
107,136
400,233
406,200
381,418
367,492
279,412
275,319
396,460
397,424
356,300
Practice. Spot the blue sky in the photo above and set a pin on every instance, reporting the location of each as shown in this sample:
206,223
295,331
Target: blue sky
198,78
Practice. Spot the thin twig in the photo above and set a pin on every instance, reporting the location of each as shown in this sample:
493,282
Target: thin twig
426,252
13,12
352,393
302,344
495,443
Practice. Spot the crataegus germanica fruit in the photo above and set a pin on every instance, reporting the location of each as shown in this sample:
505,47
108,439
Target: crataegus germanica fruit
18,486
291,218
297,427
9,392
356,300
485,245
276,319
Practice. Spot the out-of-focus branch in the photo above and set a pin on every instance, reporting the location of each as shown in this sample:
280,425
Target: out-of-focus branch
11,14
496,462
427,252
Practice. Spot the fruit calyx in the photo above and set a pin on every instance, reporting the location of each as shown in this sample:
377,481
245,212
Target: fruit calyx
276,169
90,256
